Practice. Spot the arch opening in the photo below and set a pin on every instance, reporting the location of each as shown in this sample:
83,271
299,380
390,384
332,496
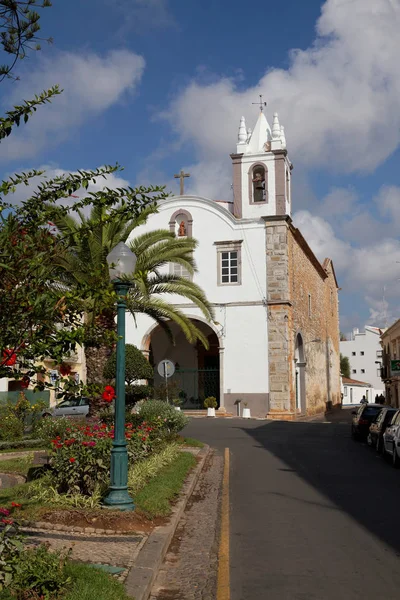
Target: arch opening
197,369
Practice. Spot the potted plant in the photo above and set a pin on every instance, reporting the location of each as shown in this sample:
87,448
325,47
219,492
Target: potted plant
210,404
246,412
177,403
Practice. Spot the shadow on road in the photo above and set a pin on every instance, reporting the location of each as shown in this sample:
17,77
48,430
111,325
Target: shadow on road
351,477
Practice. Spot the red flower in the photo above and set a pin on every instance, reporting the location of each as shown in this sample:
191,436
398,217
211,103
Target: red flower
25,381
108,394
72,459
7,521
144,439
10,358
16,505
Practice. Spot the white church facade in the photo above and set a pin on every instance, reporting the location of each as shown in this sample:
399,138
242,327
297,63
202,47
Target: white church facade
274,343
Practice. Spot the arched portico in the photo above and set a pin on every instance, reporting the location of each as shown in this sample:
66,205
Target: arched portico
300,375
198,371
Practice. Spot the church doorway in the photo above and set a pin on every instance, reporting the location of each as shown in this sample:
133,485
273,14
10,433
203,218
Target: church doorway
197,369
300,375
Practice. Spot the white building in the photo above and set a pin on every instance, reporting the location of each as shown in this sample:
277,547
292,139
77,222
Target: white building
364,352
268,345
353,391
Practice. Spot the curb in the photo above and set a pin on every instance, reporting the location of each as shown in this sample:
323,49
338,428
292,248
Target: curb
143,573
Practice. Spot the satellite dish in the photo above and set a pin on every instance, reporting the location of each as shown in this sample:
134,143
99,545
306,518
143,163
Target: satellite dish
166,368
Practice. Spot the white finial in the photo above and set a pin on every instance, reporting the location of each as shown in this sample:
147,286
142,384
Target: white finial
249,132
283,139
276,128
242,137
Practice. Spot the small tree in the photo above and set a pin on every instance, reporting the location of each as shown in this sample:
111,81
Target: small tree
343,337
344,366
136,366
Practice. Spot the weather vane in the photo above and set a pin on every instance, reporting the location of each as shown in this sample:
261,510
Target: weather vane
261,103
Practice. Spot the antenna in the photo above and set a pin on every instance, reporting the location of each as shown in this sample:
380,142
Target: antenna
260,103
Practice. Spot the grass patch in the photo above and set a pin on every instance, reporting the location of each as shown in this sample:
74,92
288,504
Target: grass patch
88,583
188,441
154,499
92,584
19,465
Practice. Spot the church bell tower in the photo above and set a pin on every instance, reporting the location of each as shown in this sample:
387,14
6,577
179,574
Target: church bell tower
261,170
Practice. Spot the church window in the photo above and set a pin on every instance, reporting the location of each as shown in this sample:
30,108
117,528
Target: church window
229,263
258,184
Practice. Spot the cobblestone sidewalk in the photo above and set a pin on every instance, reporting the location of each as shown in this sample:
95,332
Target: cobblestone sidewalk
189,571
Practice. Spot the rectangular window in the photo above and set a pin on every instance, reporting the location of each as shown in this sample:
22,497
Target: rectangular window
379,354
345,390
362,353
354,371
309,305
230,266
362,370
353,353
366,394
378,371
229,262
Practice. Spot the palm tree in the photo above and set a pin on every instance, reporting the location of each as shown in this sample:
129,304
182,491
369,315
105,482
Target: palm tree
88,242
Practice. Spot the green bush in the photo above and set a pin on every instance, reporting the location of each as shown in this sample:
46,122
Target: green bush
21,444
163,416
210,402
42,572
11,427
134,393
136,366
11,547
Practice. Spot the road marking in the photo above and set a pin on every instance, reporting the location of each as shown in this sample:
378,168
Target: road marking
223,581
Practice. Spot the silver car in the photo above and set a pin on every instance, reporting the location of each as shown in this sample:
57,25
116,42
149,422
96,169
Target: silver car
391,439
70,407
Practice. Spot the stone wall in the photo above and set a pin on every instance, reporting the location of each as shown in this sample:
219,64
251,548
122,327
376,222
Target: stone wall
293,272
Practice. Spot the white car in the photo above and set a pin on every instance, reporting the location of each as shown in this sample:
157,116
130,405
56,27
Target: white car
391,439
71,407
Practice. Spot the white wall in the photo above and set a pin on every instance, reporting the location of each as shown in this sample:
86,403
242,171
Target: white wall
355,394
369,343
240,315
4,384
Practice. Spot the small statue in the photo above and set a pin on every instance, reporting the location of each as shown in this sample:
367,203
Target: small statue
182,229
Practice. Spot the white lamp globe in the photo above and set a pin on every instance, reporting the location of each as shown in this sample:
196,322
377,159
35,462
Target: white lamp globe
121,261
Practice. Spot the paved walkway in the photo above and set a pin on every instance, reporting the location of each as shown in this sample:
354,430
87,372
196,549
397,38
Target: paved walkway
190,567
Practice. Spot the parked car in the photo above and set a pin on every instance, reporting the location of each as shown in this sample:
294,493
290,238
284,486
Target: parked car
391,439
362,419
70,407
378,428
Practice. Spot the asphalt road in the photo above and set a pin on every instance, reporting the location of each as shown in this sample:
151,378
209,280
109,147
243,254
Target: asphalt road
314,515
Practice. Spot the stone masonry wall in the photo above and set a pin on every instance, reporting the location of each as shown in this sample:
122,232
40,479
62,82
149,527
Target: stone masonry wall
319,327
280,350
293,273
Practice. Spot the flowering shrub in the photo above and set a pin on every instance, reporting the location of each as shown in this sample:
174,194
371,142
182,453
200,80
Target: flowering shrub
162,416
14,417
80,460
10,545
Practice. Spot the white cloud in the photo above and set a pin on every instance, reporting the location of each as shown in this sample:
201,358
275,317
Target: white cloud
91,84
338,99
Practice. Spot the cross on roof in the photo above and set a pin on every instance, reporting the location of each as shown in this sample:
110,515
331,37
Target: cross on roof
182,176
261,103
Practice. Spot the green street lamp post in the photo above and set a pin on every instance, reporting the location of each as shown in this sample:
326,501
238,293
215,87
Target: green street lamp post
122,262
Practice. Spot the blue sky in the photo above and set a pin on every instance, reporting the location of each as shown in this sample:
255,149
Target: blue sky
159,85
